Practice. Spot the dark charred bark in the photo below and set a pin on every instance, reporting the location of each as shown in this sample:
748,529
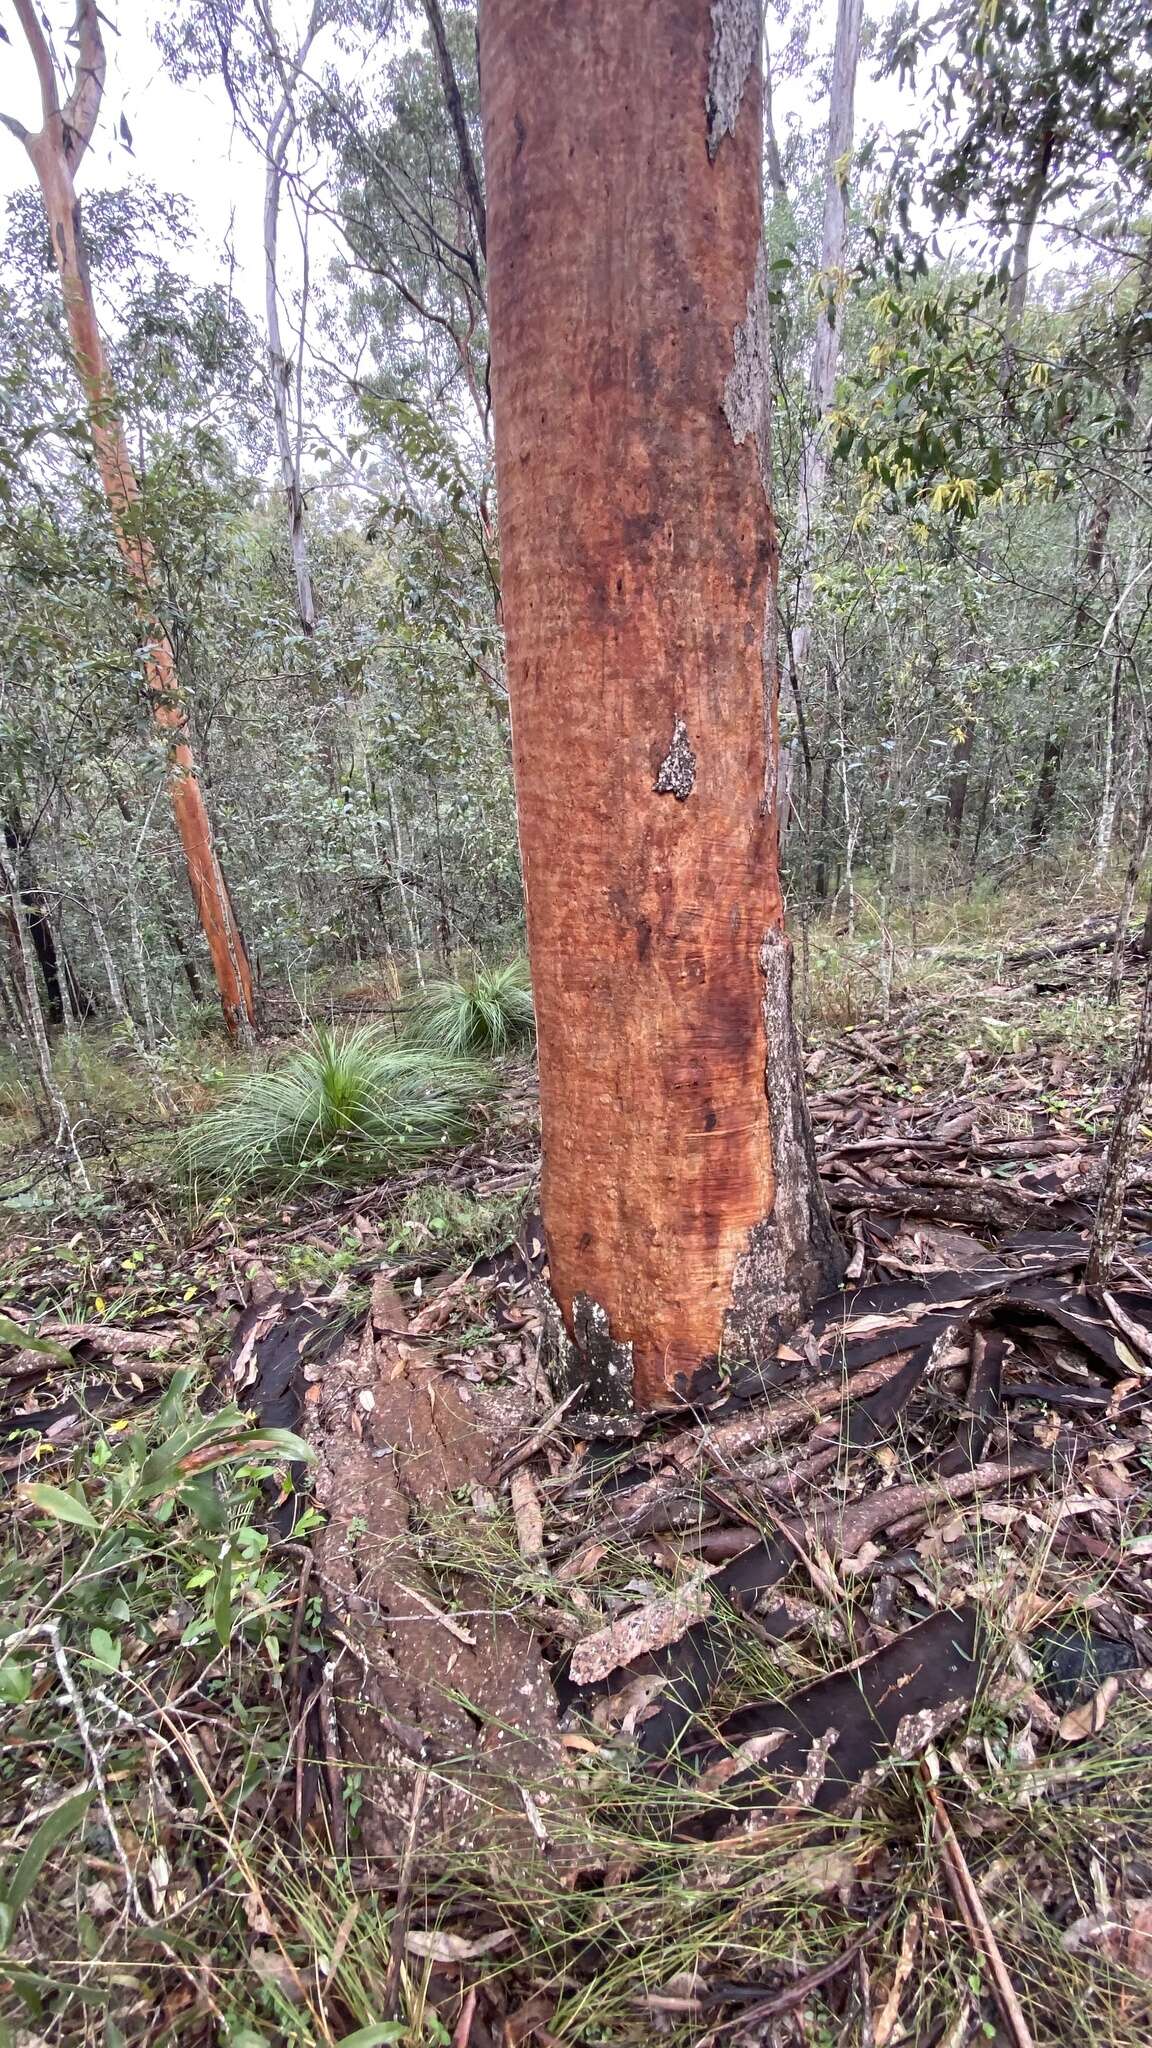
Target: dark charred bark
1047,786
176,940
39,925
469,171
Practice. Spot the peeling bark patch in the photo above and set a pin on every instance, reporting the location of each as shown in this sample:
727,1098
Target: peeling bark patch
808,1784
747,393
593,1360
676,775
735,44
793,1255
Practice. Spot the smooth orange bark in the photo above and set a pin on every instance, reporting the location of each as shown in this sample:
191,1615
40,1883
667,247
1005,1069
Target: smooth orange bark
627,304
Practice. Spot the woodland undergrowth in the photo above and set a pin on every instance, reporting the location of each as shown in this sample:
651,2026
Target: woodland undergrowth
178,1845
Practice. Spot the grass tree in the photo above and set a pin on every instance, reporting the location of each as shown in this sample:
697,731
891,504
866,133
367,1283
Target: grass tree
346,1110
628,307
483,1012
56,151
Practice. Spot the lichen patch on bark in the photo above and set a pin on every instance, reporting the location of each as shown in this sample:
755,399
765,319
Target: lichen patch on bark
747,397
676,775
735,44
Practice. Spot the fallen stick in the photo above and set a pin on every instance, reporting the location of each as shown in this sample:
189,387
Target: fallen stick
403,1908
535,1442
794,1994
971,1907
843,1533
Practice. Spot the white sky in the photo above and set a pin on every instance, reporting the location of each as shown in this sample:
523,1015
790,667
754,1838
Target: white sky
185,140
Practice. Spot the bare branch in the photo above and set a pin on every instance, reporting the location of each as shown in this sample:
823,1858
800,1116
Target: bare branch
455,105
37,42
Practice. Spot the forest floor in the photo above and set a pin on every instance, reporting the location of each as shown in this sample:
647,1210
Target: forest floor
825,1716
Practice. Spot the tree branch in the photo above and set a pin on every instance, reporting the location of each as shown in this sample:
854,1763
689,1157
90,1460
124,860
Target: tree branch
455,106
37,42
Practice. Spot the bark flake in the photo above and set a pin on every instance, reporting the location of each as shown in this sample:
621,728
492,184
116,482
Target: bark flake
735,43
747,393
676,775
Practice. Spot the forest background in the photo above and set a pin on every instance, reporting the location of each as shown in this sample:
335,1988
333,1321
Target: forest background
960,472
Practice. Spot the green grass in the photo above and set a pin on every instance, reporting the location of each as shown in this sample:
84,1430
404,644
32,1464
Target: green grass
485,1012
347,1110
456,1223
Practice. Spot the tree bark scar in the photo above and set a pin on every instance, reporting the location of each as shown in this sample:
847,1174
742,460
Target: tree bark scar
792,1255
676,775
735,44
593,1360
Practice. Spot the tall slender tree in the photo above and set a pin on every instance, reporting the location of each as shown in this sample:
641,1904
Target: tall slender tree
813,471
56,151
282,126
628,301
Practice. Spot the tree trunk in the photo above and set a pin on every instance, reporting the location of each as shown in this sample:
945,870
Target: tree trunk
1106,822
1122,1147
55,153
1047,785
52,1108
825,347
469,173
280,133
958,783
1131,878
36,919
683,1215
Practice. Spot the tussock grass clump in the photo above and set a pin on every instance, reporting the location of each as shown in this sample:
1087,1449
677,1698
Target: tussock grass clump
349,1108
483,1013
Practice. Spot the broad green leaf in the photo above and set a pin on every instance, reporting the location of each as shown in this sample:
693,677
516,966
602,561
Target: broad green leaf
14,1333
15,1683
52,1500
105,1649
50,1833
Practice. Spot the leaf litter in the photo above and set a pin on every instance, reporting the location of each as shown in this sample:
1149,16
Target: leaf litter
915,1537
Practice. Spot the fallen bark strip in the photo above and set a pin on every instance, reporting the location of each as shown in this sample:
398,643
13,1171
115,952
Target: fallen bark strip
996,1205
840,1729
638,1509
693,1666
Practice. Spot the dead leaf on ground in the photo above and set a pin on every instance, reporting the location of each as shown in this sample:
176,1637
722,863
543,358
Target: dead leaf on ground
1089,1719
439,1946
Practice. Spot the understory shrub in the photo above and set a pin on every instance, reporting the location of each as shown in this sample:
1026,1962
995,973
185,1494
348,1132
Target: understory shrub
483,1012
349,1108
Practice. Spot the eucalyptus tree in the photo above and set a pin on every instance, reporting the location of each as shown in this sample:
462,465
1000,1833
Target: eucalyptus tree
623,147
831,295
56,151
1043,110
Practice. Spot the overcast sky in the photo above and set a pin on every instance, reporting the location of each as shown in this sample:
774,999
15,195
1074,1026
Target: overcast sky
184,139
